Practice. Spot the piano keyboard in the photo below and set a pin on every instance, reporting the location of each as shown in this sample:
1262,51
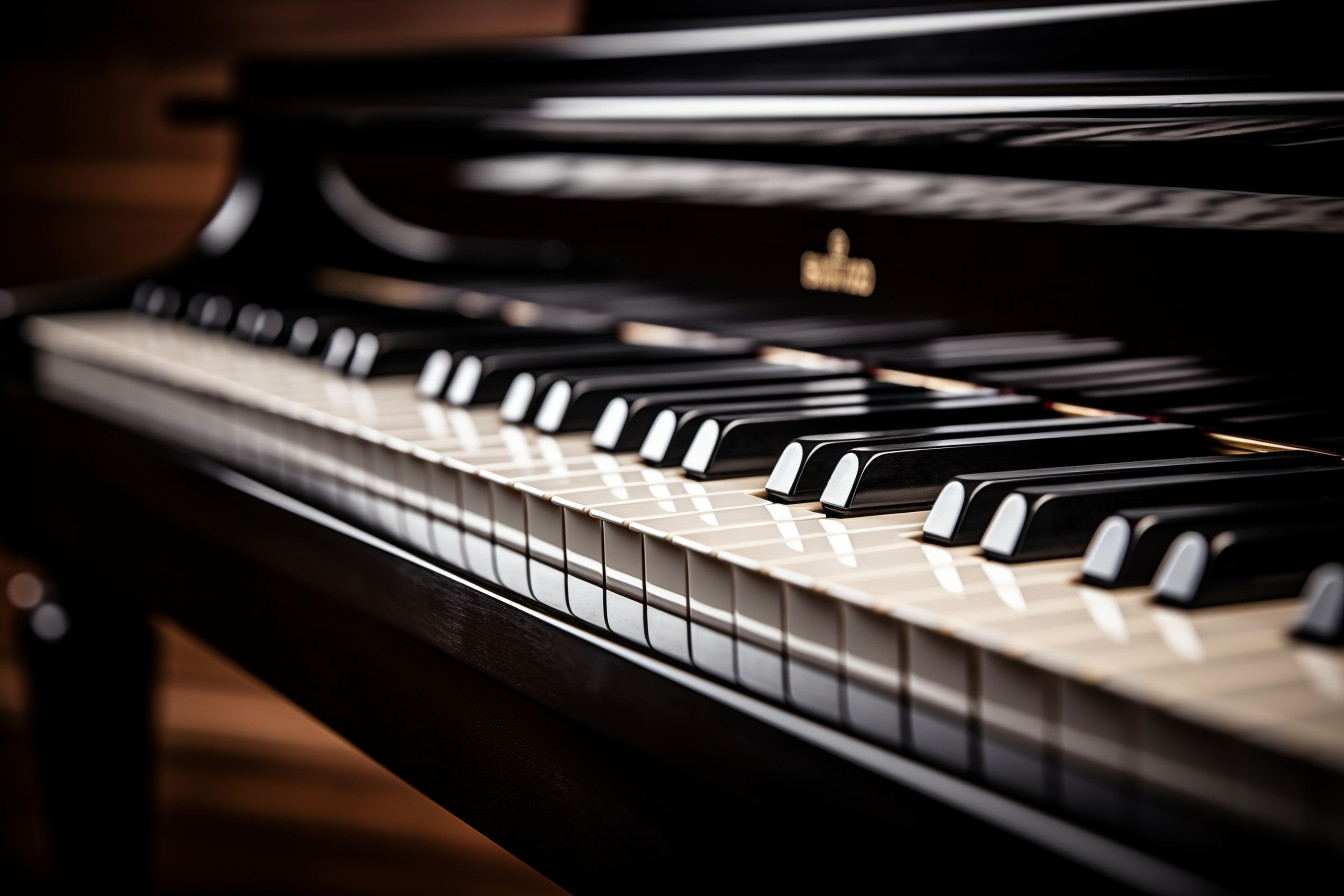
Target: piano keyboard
1110,704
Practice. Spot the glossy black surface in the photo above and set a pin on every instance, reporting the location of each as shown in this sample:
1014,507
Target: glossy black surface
498,367
687,417
1149,532
982,492
911,476
750,443
689,365
642,407
818,455
589,395
1060,520
1248,562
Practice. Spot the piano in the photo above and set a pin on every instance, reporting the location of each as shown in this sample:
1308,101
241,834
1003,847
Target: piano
777,445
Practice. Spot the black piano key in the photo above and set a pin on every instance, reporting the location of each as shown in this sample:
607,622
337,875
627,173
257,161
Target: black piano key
400,351
1050,521
877,480
340,347
486,377
968,500
1213,411
438,372
1285,425
627,418
1064,374
441,366
1322,617
826,333
1128,546
1199,389
993,353
806,464
1244,563
310,334
163,300
141,293
571,406
676,426
727,445
211,310
1074,388
245,321
386,343
268,323
528,390
407,351
275,324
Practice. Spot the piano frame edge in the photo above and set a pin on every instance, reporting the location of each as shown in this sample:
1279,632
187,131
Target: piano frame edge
599,765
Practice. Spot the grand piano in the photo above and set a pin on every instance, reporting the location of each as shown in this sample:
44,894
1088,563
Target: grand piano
998,250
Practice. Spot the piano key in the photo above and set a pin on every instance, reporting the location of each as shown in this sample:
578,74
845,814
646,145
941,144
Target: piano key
546,514
577,404
961,358
1197,389
1056,374
674,427
1285,425
274,324
1211,412
361,340
878,480
806,463
967,501
1128,546
484,377
1322,614
1039,522
245,321
159,300
691,569
1244,563
211,310
140,294
391,353
441,365
627,418
1079,388
530,382
310,333
732,445
826,333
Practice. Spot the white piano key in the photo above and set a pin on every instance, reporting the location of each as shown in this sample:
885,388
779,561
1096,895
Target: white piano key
709,607
873,657
812,653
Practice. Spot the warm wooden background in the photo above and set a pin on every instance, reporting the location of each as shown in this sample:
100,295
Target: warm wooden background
92,178
255,797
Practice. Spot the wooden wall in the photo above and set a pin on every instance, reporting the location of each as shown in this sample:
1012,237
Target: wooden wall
92,177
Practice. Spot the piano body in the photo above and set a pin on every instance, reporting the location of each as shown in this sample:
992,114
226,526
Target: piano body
648,676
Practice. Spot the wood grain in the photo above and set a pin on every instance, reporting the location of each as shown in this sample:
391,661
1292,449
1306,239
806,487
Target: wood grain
93,177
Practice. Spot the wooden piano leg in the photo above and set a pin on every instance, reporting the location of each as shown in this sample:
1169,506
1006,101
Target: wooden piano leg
90,657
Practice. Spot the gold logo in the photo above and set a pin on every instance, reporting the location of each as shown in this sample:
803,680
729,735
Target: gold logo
835,271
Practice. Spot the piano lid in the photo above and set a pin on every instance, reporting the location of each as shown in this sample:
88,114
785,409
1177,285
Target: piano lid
1130,169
